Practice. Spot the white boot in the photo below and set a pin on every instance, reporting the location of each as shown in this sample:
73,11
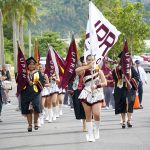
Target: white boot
46,114
60,110
96,130
57,111
39,122
54,113
42,119
50,116
90,135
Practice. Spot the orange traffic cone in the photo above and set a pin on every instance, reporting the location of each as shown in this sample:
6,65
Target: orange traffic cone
103,104
136,102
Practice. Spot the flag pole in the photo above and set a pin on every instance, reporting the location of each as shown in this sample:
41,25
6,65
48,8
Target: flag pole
91,46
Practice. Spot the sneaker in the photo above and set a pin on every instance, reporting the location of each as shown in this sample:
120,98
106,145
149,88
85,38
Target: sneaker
1,120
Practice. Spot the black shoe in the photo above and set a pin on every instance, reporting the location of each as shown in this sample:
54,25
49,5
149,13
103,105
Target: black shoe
1,120
141,107
30,129
36,127
129,124
123,125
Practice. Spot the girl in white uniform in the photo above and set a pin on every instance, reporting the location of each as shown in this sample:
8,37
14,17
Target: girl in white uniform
92,95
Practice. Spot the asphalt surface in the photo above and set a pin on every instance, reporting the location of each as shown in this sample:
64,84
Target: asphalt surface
66,132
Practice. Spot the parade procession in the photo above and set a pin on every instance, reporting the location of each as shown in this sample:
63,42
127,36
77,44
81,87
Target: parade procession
74,75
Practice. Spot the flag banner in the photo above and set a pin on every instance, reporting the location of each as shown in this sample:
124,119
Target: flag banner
36,53
125,63
21,79
54,59
49,66
61,63
70,67
101,35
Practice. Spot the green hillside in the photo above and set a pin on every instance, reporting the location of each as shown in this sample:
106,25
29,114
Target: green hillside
62,16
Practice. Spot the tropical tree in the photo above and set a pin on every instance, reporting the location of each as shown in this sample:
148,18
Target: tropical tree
128,19
53,39
16,10
2,60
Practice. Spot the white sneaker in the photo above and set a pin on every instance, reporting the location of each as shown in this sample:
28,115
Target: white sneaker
90,138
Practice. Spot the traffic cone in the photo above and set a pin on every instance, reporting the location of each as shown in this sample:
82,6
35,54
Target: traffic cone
103,104
136,102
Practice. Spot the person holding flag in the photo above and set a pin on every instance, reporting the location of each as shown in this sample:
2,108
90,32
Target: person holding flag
91,95
51,69
60,98
126,83
30,84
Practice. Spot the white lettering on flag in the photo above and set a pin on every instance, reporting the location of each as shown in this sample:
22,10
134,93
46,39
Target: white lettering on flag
101,35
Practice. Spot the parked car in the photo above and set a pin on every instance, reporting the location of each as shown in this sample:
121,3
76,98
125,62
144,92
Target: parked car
146,57
146,66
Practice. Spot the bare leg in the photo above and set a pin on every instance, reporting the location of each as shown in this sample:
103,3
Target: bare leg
84,125
123,115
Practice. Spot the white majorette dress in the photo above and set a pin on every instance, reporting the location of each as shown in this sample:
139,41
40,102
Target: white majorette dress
87,96
53,86
45,91
62,91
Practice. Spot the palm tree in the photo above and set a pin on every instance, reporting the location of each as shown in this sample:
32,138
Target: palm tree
2,58
18,10
28,13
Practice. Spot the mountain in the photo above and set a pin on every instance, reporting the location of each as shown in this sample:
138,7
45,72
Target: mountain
62,16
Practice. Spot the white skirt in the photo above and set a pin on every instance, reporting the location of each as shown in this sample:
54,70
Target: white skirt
61,91
45,91
91,97
53,89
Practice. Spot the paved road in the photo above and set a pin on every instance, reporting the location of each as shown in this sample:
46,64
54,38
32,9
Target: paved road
66,133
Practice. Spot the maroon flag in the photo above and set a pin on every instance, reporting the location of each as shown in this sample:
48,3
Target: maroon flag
71,62
126,64
61,63
22,71
49,66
